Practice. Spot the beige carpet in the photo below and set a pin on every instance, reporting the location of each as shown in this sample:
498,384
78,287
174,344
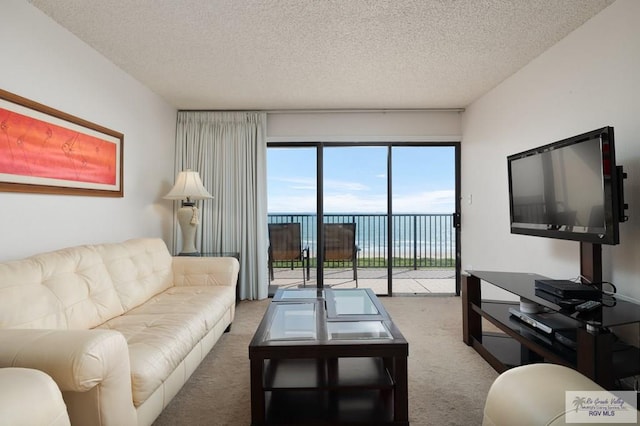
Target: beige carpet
448,381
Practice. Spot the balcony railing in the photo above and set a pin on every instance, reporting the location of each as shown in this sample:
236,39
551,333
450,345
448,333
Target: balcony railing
418,240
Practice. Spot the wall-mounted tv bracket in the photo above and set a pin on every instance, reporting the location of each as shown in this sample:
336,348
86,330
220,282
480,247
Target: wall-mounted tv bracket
622,206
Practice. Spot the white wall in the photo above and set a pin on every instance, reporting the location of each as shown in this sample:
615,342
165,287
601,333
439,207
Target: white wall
410,126
588,80
45,63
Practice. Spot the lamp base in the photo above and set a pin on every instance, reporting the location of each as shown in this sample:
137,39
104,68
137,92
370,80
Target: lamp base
186,213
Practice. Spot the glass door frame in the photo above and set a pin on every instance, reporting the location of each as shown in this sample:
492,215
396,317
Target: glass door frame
320,145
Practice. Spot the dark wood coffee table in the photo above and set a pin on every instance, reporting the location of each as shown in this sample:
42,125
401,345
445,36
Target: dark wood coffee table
330,357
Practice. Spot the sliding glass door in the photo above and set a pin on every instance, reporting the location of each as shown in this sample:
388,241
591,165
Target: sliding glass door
355,202
292,201
383,216
424,219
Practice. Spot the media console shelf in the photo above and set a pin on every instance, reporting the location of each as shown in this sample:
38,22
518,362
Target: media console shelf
597,354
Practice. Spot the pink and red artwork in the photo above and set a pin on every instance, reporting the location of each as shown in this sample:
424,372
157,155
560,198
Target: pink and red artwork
43,150
31,147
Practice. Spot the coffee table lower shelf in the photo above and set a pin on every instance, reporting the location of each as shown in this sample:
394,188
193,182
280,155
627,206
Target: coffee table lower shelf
343,391
316,407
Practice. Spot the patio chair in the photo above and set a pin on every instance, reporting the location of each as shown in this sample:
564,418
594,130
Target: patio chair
340,244
285,244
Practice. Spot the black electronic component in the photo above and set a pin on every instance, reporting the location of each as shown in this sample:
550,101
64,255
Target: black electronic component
589,305
566,289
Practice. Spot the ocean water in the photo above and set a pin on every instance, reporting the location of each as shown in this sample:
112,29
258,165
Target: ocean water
413,235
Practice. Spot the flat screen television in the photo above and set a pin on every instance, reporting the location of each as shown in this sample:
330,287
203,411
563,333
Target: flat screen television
570,189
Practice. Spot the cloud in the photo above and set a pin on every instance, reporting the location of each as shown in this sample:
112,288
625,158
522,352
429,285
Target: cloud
354,203
310,183
293,204
287,184
294,180
338,185
442,201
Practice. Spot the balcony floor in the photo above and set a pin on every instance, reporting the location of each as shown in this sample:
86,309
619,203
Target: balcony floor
405,281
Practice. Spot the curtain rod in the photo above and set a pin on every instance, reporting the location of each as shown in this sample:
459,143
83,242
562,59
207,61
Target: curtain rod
327,111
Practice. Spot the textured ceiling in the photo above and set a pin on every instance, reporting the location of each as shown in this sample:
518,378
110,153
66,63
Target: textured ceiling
320,54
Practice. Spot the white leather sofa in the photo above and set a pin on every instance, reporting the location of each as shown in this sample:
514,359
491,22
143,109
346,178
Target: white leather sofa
533,395
119,327
30,398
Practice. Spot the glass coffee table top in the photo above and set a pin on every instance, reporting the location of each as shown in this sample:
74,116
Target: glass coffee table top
356,330
350,302
326,315
297,294
293,321
353,305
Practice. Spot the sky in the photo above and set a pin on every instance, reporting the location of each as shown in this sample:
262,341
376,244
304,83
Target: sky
355,179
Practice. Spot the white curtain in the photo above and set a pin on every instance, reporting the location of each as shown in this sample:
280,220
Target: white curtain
229,150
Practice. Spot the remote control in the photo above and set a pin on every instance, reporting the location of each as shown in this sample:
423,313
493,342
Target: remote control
587,306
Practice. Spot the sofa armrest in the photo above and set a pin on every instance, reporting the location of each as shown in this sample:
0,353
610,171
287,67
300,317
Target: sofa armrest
76,359
203,271
91,368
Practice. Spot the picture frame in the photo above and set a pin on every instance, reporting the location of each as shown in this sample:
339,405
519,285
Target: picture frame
47,151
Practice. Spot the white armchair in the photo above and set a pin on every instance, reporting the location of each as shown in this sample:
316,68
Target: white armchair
30,397
533,395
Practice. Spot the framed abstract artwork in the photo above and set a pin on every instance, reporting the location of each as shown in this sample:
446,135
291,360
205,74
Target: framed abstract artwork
46,151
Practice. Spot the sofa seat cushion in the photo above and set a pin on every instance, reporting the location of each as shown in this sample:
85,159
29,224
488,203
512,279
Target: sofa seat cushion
161,332
191,299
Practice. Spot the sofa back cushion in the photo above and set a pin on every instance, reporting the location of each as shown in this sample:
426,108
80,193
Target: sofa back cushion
68,288
139,269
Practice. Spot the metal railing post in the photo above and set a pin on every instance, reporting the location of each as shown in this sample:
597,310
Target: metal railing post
415,242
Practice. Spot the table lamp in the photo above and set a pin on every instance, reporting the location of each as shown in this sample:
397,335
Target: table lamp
188,188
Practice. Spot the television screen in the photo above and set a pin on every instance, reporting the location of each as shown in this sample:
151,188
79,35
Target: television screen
567,189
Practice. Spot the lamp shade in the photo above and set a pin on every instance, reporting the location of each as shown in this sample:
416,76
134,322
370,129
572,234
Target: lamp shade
188,187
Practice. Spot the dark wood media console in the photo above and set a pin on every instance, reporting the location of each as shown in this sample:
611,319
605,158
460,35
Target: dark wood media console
597,354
